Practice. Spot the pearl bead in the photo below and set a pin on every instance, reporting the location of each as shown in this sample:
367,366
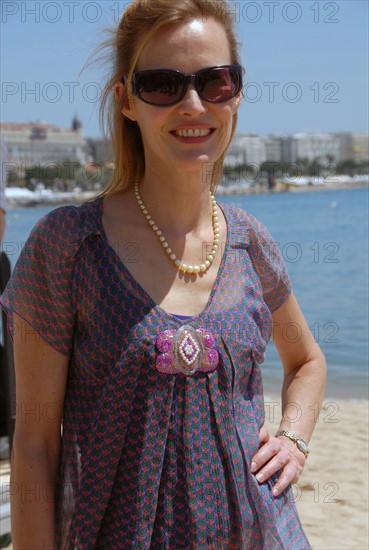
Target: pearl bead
191,269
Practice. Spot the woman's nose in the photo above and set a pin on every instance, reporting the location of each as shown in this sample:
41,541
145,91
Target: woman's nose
192,103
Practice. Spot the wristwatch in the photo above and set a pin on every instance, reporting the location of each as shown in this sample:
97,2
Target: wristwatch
300,443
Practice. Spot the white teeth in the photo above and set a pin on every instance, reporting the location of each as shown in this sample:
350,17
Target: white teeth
194,132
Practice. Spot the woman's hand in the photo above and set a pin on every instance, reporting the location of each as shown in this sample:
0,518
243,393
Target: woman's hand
274,454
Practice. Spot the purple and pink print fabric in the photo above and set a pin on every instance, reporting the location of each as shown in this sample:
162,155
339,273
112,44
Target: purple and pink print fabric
161,415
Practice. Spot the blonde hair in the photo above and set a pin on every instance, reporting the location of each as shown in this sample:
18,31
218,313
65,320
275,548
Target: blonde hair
141,20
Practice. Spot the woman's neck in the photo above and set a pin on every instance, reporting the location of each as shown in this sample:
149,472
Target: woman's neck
179,203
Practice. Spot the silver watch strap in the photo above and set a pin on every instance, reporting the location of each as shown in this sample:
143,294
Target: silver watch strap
300,443
288,434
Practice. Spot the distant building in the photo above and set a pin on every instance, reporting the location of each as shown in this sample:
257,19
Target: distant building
246,149
39,143
273,148
101,150
353,146
76,124
312,147
42,143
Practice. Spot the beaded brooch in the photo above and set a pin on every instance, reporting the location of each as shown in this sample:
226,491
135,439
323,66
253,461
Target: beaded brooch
186,350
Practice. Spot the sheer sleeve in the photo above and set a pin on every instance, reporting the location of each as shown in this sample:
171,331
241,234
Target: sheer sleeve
269,265
40,289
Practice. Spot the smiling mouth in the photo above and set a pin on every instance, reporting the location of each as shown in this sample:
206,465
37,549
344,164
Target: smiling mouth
193,132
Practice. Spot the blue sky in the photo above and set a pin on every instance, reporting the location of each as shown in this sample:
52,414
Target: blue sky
306,62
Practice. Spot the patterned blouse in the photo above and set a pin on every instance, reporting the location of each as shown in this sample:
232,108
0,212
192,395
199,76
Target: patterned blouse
162,414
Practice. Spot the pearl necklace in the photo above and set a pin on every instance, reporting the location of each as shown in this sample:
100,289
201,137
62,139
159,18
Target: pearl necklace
192,269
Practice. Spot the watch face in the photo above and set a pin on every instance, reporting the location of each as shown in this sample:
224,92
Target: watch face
302,446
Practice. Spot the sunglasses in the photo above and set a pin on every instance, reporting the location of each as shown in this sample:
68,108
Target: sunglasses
164,87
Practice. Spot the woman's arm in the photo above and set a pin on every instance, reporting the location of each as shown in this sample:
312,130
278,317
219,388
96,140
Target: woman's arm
41,374
302,395
2,224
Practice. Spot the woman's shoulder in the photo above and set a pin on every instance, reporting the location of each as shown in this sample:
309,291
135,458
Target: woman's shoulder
244,223
64,228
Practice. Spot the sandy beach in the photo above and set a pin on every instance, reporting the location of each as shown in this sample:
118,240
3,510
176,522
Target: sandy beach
332,494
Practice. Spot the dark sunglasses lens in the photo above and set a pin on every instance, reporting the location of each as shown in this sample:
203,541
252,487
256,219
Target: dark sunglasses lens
160,87
166,87
218,84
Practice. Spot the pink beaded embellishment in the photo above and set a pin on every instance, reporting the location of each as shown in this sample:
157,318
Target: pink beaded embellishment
186,350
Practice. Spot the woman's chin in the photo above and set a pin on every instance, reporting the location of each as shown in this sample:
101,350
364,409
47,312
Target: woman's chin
202,162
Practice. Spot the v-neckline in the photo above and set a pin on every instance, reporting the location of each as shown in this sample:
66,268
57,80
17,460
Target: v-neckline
144,293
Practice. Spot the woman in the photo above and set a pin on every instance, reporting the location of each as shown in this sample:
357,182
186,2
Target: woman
140,319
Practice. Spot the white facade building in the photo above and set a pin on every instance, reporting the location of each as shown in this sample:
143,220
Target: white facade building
41,144
273,148
246,149
320,147
353,146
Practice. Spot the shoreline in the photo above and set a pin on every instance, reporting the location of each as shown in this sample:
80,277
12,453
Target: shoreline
61,199
282,189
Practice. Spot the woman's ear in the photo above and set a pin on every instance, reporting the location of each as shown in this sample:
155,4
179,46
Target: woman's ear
237,103
120,92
